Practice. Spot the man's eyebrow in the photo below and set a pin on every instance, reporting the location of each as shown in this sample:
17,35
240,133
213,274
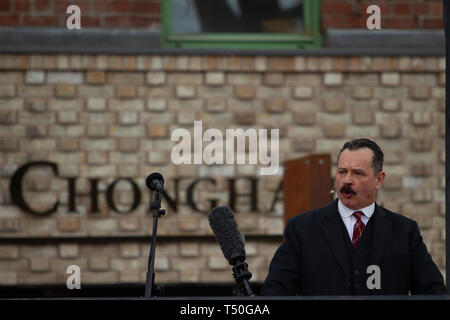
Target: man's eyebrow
352,169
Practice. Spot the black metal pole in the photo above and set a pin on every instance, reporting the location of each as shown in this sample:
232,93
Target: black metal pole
446,13
151,262
157,212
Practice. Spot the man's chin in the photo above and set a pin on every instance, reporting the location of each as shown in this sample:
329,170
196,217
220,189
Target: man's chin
349,202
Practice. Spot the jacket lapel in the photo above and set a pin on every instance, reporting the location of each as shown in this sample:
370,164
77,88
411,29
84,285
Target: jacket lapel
382,228
330,226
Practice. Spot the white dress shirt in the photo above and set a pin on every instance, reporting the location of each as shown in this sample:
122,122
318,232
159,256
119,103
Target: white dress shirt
349,219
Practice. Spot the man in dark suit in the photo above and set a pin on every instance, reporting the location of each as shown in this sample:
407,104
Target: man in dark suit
353,246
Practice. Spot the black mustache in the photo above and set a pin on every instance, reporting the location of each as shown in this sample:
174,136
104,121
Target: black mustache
347,189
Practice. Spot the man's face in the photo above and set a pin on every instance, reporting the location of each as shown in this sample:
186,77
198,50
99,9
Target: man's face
356,183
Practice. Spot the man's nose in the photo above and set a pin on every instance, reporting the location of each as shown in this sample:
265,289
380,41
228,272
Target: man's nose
348,179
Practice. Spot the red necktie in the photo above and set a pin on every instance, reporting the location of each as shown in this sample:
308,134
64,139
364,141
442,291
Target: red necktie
358,228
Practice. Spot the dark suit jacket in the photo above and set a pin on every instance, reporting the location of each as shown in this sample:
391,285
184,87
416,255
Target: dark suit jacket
313,260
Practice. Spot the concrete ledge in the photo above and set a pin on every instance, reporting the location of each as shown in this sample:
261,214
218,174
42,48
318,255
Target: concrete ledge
337,42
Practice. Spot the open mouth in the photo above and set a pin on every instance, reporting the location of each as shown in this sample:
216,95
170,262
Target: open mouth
347,191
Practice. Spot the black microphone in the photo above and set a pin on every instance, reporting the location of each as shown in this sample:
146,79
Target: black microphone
231,242
155,182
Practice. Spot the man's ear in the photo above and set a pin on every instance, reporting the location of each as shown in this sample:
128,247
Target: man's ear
380,179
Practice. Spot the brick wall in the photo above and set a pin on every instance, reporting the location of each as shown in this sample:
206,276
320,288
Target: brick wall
110,116
414,14
94,13
126,262
395,14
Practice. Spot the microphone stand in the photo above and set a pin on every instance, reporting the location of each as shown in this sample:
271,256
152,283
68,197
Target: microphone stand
242,275
157,212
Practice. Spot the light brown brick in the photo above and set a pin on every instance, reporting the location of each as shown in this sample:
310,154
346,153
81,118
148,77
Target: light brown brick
184,78
305,118
189,223
96,104
39,264
66,90
420,93
68,224
129,224
273,78
217,263
303,145
332,79
333,105
68,144
103,172
189,249
129,250
126,105
8,144
442,78
8,278
185,91
97,157
128,118
156,78
128,144
216,105
362,92
215,78
421,144
61,77
390,105
8,251
422,196
8,117
363,117
7,90
303,92
35,77
421,170
422,118
244,92
334,130
124,91
67,117
392,182
157,131
245,118
126,78
99,263
390,79
127,276
68,250
162,264
390,131
95,77
156,104
106,277
275,105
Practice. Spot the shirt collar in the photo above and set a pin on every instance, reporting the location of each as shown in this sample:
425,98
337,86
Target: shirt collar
347,212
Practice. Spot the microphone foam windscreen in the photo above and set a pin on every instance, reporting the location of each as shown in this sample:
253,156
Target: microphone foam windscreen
227,234
151,177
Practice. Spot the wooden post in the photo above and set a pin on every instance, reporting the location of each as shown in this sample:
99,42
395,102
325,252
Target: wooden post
306,184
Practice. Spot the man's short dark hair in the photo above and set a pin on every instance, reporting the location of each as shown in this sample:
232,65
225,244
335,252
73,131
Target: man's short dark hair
378,156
